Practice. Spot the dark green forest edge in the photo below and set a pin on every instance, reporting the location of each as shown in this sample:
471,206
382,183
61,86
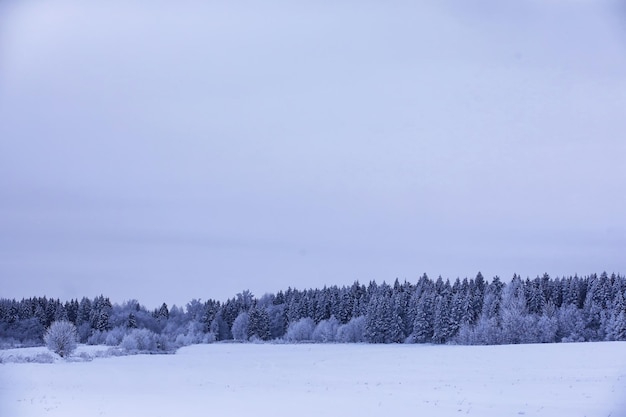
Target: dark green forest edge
468,311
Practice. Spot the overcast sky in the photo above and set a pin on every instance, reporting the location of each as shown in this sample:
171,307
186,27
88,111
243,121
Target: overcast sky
169,150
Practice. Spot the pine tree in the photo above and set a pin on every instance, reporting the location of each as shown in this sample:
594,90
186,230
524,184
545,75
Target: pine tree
132,321
259,324
442,330
423,326
381,325
163,312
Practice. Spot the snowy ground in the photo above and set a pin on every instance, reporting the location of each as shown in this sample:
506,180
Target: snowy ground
311,380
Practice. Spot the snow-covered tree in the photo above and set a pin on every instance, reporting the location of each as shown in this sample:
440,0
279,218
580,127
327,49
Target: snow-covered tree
424,317
61,338
219,327
353,331
132,321
259,324
326,330
278,320
515,320
240,326
300,331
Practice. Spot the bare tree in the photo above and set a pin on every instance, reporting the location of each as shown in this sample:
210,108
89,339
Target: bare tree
61,338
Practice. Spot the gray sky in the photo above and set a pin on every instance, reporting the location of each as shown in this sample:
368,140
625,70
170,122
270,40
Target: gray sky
178,150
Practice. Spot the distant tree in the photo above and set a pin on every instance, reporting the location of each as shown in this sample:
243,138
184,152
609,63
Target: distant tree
326,330
132,321
517,325
617,322
353,331
259,324
144,340
240,326
617,327
195,310
300,331
100,313
381,323
570,324
219,327
163,312
278,320
424,318
61,338
443,325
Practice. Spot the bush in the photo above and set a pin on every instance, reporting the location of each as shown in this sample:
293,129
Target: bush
240,327
194,338
145,341
97,338
114,337
326,330
61,338
38,358
353,331
300,331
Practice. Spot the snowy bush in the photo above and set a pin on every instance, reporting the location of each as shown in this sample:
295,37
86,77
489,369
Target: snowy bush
139,340
300,331
97,338
38,358
326,330
240,326
42,358
61,338
570,324
84,332
352,332
145,341
9,342
193,338
114,337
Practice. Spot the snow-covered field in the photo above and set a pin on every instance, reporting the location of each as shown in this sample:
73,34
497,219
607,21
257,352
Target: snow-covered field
586,379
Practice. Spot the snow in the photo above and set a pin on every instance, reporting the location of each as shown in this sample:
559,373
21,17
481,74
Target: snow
586,379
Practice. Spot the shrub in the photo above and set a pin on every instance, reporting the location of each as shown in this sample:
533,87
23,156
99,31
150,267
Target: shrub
61,338
326,330
300,331
240,326
353,331
114,337
97,338
145,341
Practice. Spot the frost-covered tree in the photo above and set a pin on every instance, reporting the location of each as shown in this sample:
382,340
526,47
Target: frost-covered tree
278,320
131,323
144,340
240,326
100,313
163,312
382,323
517,325
444,325
219,327
353,331
570,324
300,331
259,324
424,317
326,330
61,338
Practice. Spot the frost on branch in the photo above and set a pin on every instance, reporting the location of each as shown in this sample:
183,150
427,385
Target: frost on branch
61,338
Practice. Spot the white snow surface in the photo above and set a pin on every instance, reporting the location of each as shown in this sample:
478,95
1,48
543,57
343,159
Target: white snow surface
586,379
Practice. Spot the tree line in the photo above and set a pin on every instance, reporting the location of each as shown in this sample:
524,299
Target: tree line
468,311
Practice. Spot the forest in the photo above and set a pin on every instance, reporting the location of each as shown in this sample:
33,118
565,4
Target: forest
467,311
